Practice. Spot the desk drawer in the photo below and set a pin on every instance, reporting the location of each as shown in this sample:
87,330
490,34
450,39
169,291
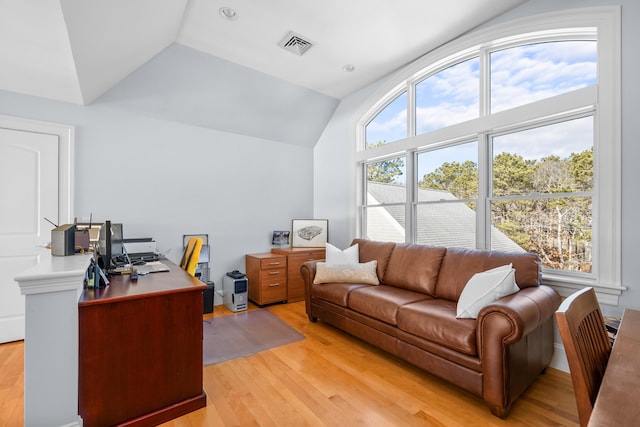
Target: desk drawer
267,263
273,274
274,290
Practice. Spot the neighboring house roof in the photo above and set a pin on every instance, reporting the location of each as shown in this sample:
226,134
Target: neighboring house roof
446,224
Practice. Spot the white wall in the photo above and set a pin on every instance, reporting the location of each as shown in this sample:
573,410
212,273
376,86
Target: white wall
185,85
333,170
332,165
163,179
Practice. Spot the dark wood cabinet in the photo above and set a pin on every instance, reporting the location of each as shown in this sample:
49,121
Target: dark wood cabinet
140,349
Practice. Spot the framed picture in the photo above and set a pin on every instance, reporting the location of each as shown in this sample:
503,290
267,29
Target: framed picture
309,233
280,238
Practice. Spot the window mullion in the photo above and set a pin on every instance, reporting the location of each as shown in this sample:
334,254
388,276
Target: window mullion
411,198
411,178
485,85
411,110
361,226
483,207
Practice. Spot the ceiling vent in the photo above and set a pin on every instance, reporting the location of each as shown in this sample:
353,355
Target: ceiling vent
295,43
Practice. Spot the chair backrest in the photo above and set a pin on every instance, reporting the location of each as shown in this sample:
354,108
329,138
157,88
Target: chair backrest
191,255
587,346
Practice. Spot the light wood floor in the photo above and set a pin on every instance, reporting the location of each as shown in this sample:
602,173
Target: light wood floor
329,379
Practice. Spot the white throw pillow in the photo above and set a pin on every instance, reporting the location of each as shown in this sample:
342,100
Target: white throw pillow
484,288
347,273
335,256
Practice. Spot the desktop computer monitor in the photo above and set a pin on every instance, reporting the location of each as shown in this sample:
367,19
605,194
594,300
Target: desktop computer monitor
110,244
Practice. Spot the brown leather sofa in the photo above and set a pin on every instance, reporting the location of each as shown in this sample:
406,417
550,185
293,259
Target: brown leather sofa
412,314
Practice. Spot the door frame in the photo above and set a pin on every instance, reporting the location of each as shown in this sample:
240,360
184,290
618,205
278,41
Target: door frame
66,158
65,201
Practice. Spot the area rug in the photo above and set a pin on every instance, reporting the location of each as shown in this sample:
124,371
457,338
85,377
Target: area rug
245,333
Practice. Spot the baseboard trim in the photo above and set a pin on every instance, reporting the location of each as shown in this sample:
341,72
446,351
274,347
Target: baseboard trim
12,328
559,360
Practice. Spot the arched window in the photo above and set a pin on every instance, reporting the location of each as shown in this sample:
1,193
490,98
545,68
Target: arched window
508,138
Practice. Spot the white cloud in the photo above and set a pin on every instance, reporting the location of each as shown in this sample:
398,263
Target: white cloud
560,139
443,115
529,73
519,75
391,129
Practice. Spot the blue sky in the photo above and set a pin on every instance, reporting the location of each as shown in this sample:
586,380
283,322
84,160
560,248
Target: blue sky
519,75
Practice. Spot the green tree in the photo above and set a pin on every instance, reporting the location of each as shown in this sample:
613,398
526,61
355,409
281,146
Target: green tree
512,174
581,167
386,171
552,175
515,232
460,179
559,228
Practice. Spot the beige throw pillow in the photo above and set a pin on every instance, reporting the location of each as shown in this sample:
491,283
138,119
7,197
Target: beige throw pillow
347,273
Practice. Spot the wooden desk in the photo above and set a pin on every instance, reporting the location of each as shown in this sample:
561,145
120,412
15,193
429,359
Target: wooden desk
140,349
617,401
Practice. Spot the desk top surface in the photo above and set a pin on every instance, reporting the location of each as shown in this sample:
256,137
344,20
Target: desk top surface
617,401
121,287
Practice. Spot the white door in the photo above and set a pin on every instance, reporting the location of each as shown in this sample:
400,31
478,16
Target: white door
29,192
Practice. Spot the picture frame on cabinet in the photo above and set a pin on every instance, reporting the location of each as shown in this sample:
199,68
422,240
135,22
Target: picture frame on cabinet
280,238
309,233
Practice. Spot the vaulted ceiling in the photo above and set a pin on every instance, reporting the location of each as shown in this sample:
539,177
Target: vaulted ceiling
183,61
75,51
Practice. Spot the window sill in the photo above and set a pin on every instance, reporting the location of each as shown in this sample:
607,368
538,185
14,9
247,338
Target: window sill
565,286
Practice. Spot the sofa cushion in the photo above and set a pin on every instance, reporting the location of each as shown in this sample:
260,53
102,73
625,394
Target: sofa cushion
382,302
336,293
335,255
379,251
435,320
460,264
346,273
414,267
484,288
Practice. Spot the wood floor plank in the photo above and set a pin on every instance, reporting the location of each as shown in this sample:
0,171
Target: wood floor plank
292,386
329,379
12,384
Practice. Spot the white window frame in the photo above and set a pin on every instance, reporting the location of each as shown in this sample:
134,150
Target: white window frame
606,95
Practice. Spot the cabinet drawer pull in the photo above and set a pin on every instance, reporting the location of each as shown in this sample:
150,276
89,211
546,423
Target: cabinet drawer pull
273,273
272,285
275,263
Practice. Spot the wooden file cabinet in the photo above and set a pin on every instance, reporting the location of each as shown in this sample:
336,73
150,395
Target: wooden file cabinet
267,275
295,258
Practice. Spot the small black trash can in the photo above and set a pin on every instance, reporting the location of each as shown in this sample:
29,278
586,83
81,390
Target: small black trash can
207,301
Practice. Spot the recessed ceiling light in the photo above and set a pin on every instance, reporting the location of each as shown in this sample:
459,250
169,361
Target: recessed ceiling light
349,68
228,13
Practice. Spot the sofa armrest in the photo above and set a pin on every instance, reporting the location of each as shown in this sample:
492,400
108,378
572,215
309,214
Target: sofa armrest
512,317
507,322
308,272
